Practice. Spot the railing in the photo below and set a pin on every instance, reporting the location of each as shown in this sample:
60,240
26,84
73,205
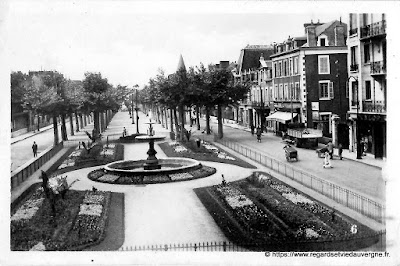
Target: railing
374,107
354,67
376,240
341,195
374,29
25,171
378,67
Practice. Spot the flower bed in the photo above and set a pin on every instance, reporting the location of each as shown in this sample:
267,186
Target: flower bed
80,220
206,152
270,211
101,176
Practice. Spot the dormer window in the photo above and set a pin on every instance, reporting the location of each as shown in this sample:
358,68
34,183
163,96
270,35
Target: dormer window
323,40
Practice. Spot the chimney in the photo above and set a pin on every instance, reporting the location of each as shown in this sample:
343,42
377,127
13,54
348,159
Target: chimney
311,38
217,66
339,35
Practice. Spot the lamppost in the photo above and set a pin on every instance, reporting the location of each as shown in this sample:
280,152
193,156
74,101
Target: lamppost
133,118
137,112
358,138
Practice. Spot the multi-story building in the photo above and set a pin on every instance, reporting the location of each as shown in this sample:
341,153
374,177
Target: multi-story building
309,79
367,83
251,111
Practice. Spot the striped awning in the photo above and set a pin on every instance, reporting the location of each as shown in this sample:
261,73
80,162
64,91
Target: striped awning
281,117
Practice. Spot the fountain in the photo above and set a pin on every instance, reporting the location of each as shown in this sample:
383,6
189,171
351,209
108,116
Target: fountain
152,166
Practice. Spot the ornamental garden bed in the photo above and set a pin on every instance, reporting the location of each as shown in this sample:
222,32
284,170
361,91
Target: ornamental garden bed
274,216
80,220
77,158
100,175
206,152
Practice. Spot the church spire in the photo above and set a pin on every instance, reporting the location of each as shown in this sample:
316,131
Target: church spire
181,64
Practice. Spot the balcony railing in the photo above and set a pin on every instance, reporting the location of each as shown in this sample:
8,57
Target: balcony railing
353,31
374,107
378,67
374,29
354,67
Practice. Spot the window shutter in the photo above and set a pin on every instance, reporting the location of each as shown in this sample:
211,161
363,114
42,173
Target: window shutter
331,90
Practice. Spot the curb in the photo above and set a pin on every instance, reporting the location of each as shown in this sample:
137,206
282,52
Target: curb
30,135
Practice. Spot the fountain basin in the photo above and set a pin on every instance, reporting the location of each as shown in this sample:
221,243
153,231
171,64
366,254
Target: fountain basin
168,166
147,138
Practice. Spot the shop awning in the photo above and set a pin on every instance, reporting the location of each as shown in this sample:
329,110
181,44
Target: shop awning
281,117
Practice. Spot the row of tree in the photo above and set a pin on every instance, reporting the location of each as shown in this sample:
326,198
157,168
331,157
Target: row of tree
199,88
50,93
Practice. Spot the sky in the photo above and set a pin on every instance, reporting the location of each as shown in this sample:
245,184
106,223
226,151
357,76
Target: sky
129,42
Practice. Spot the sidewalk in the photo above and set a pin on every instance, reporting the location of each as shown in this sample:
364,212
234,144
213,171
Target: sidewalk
360,176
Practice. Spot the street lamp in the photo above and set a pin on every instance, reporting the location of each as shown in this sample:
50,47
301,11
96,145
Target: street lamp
137,112
358,138
133,118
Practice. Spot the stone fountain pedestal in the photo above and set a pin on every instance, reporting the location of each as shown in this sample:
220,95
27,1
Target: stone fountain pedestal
151,161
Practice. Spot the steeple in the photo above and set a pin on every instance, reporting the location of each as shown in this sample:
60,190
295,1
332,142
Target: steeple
181,64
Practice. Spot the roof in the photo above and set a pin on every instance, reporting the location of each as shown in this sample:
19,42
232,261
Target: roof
181,64
265,63
250,56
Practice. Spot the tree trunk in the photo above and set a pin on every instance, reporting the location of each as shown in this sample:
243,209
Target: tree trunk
77,121
55,130
182,118
96,128
176,124
171,121
63,128
220,124
38,123
102,124
198,117
71,124
166,118
208,129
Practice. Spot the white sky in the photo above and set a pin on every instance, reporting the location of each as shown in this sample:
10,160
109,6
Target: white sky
129,41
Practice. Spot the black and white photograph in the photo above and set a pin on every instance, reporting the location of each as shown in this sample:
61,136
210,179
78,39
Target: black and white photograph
199,133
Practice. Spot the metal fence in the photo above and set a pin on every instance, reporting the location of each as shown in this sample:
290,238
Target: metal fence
25,171
223,246
341,195
371,242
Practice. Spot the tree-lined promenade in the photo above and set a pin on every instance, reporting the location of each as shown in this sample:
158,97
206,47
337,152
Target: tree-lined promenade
49,93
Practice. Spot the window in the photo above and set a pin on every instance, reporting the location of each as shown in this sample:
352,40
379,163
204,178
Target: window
275,70
323,64
297,91
290,66
296,64
353,59
322,42
367,56
276,92
280,69
286,92
354,93
284,68
280,97
325,90
368,90
292,95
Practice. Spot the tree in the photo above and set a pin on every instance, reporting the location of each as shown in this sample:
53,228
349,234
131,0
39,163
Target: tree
19,82
95,90
224,91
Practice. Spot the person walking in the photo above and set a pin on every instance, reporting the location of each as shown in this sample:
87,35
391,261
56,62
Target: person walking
330,149
340,149
34,149
258,133
124,132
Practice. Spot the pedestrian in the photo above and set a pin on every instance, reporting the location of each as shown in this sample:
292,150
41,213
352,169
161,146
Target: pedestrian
45,181
124,132
258,133
34,149
327,161
340,149
223,181
329,146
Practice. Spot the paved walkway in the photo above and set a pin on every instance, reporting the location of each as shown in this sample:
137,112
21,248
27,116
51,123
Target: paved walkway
171,212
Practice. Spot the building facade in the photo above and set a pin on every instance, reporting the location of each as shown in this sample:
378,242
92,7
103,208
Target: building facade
367,83
252,111
309,80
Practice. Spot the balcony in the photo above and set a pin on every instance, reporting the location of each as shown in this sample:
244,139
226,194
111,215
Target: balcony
354,67
374,107
377,29
378,68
